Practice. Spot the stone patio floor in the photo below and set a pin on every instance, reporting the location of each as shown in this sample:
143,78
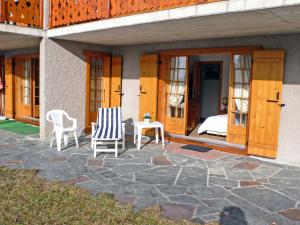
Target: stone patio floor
202,187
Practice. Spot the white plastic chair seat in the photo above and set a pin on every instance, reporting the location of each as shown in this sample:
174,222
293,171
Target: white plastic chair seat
57,118
68,129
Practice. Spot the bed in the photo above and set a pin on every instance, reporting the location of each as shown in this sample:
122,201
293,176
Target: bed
215,125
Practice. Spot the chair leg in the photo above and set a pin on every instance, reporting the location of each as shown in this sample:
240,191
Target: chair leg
162,136
58,140
116,149
76,140
94,146
52,138
66,139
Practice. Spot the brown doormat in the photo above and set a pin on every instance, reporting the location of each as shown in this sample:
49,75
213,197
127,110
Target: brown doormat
196,148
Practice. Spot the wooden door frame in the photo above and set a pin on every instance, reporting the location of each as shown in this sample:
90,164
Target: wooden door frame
15,87
166,54
87,56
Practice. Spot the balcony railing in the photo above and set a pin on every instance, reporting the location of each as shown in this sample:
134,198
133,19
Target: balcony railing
22,12
67,12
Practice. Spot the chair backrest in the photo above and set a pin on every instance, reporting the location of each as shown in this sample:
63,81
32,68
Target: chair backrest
109,123
56,117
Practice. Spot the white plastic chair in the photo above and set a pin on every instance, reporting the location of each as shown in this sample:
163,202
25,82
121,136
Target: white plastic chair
57,118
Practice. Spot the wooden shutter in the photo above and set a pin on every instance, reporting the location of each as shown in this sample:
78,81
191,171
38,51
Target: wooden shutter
106,82
116,81
9,88
266,92
148,85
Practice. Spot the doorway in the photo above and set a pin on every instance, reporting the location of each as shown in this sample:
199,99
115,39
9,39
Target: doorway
27,88
205,93
103,84
2,82
203,86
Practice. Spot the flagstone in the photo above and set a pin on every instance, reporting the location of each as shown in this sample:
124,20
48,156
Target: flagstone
197,186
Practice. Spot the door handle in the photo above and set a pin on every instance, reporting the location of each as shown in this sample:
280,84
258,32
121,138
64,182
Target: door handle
274,101
282,105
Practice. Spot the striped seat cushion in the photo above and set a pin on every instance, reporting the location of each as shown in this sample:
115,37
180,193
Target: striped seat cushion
109,124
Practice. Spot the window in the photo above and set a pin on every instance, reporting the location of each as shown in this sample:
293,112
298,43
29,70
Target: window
241,86
96,84
27,82
176,88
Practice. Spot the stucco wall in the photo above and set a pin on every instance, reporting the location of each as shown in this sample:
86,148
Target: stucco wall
289,140
62,79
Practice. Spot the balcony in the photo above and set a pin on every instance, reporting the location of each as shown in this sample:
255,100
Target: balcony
66,12
22,12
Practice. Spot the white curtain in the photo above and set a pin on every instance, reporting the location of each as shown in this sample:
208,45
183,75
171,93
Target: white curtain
242,76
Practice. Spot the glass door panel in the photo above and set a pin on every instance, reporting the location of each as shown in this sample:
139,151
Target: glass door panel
177,95
241,84
241,69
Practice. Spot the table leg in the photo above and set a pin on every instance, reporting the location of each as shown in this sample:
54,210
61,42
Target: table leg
134,135
162,136
139,130
156,135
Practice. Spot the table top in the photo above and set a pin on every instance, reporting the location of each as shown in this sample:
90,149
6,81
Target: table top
148,125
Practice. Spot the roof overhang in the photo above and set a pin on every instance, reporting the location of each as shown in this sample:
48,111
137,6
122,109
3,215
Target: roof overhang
230,18
16,37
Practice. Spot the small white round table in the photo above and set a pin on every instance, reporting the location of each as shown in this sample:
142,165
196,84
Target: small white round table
138,128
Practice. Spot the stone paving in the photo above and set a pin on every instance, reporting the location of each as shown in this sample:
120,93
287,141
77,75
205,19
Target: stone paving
202,187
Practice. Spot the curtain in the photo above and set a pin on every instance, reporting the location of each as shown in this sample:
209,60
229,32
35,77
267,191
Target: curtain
242,81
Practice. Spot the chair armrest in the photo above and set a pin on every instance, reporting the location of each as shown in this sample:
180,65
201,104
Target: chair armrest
93,128
74,122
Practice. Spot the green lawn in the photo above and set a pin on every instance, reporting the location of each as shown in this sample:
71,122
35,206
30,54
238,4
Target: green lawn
19,127
26,199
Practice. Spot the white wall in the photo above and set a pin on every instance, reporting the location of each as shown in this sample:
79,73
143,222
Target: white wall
63,80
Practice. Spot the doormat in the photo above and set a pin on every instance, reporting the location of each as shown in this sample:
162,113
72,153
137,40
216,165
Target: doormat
19,127
196,148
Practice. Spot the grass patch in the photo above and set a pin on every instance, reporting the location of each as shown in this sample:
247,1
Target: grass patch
26,199
19,127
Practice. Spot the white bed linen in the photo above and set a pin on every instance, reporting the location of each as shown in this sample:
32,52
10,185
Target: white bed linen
215,125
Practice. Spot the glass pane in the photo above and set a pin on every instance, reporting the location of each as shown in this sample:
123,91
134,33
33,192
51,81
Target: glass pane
176,95
247,76
238,91
238,76
181,75
245,90
182,62
244,120
236,119
244,108
92,106
238,61
248,61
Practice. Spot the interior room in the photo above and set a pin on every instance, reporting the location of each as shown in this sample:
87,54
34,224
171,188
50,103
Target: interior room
208,96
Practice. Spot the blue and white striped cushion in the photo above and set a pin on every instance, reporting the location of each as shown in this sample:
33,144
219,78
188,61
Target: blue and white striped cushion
109,124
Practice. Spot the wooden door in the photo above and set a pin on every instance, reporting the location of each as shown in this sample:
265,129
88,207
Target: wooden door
266,92
2,82
177,95
97,86
9,88
148,86
24,89
239,86
116,81
194,106
35,88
